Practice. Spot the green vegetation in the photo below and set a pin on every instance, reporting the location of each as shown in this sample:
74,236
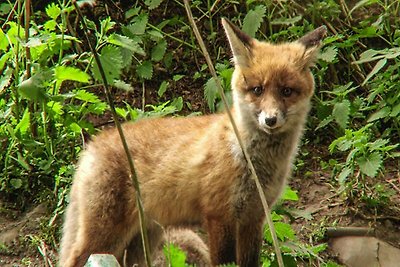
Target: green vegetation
51,96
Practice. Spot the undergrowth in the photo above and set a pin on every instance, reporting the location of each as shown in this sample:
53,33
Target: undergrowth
50,90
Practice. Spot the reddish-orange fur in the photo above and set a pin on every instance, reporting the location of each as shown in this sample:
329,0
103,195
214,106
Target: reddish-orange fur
191,170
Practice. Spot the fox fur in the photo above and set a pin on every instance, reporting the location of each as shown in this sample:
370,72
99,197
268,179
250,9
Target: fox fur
191,170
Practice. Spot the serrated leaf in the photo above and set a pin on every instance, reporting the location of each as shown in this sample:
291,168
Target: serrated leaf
53,11
378,66
106,25
177,103
5,79
252,20
126,43
163,88
341,112
283,231
382,113
151,4
145,70
175,256
123,85
367,56
329,54
324,122
210,93
138,27
158,51
111,61
86,96
370,164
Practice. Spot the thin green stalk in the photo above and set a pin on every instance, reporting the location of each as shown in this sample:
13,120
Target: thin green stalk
234,126
145,243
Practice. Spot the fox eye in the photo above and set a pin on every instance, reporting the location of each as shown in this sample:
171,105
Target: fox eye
286,91
258,90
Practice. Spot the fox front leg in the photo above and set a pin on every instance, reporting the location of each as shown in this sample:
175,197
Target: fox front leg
222,242
249,240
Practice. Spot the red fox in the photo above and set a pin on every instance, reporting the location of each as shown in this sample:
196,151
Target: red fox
191,170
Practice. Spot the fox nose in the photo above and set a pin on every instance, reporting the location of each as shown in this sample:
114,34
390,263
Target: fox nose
271,121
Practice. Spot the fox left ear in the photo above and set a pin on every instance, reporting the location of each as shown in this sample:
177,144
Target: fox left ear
241,43
312,43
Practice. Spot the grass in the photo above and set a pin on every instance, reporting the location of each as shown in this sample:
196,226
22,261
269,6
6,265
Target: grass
49,96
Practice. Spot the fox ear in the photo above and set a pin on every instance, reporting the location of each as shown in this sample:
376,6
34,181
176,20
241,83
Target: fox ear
241,43
312,43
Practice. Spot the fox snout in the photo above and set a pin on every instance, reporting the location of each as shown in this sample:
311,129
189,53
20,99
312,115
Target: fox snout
271,119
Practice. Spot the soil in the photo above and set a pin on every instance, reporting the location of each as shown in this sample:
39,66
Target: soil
320,202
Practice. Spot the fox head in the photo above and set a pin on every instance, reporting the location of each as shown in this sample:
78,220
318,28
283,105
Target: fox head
272,83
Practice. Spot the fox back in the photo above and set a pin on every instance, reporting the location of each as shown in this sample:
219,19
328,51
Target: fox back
192,170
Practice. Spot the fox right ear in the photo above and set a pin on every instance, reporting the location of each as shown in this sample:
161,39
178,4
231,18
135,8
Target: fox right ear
240,43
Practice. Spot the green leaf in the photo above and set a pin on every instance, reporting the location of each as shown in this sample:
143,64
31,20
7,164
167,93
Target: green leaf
175,255
53,11
145,70
177,103
21,160
126,43
289,194
342,177
286,21
158,51
3,41
138,27
63,73
370,164
210,93
163,88
252,20
106,25
86,96
382,113
111,61
33,88
151,4
5,79
379,65
361,4
283,231
341,112
328,54
16,183
24,124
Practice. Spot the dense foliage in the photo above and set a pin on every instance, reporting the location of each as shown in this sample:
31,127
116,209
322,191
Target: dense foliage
51,95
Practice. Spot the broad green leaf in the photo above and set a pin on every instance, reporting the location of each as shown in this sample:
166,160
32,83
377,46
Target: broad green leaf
145,70
138,27
5,79
379,65
111,61
382,113
55,107
53,11
283,231
24,124
252,20
289,194
328,54
126,43
210,93
106,25
175,255
341,112
158,51
33,88
151,4
177,103
63,73
370,164
367,56
3,42
394,113
163,88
